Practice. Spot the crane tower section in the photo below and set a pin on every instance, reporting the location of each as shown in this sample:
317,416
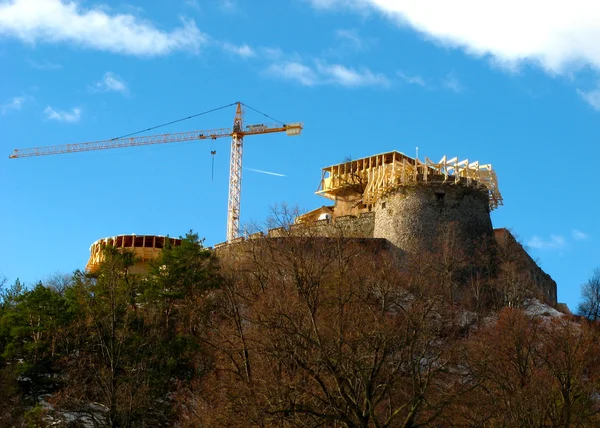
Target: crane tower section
235,176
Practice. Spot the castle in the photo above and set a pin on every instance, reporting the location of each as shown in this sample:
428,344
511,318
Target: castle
408,203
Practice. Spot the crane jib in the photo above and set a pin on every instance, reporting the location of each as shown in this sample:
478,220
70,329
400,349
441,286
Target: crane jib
291,129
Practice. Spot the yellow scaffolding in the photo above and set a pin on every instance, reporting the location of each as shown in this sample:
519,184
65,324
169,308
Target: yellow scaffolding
377,175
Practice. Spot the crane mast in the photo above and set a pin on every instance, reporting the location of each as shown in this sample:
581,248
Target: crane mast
237,134
235,176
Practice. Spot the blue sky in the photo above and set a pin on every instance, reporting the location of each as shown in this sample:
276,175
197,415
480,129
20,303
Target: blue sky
510,83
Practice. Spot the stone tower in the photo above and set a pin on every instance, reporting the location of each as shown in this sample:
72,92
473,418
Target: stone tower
413,217
144,247
412,202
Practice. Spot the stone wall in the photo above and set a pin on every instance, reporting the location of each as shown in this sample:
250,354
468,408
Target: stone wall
544,282
414,217
314,250
348,226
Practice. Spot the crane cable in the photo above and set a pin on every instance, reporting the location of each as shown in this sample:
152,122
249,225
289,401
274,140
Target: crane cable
196,115
264,114
212,173
175,121
212,152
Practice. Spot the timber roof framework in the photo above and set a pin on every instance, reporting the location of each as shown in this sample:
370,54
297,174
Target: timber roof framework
376,175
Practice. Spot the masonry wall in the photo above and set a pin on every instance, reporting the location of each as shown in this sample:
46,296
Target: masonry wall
413,217
545,284
349,226
313,251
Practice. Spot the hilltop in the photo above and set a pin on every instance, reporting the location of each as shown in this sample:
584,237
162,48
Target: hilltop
295,331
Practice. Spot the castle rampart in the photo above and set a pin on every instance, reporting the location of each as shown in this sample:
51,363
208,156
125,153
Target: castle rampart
144,247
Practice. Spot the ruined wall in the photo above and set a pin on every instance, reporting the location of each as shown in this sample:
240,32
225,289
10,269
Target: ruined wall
544,282
250,250
412,217
347,226
410,221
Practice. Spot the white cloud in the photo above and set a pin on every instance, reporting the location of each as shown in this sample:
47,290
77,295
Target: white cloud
558,35
13,105
413,80
57,21
110,83
63,116
591,97
327,74
351,4
228,5
351,37
271,53
193,4
555,242
292,70
451,82
578,235
44,65
243,51
345,76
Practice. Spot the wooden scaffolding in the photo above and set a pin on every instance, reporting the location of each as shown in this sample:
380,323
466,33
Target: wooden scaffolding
377,175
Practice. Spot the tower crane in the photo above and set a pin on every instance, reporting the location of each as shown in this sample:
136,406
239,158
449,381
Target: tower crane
237,134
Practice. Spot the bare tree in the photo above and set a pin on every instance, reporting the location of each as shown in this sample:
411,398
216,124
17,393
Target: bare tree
328,332
590,295
58,282
570,356
530,371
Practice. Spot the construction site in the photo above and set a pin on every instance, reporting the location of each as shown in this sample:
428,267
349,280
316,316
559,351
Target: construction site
402,201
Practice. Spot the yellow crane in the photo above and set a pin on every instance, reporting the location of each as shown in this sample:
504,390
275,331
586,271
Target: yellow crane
237,134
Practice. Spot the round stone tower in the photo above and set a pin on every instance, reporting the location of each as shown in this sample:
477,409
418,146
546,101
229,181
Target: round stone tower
145,248
415,217
417,204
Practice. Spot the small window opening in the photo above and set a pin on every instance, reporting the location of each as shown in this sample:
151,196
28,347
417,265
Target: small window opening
440,196
383,205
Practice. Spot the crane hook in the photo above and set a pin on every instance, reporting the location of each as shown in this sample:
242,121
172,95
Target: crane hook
212,173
